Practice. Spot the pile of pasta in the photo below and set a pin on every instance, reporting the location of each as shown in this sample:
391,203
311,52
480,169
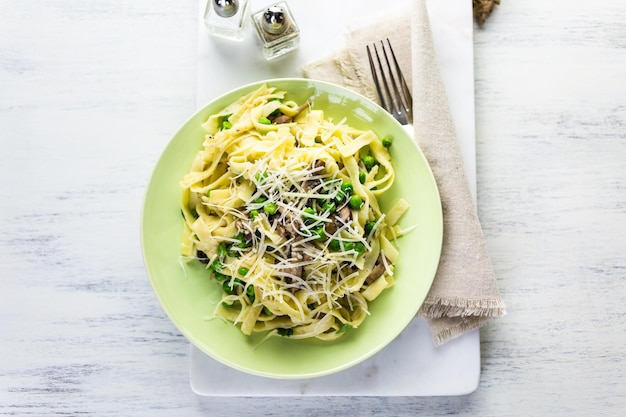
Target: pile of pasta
281,205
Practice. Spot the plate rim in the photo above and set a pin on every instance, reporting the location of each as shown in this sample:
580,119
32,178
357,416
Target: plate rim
185,331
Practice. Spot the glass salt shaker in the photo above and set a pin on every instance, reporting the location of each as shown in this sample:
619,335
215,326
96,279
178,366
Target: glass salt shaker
226,18
277,30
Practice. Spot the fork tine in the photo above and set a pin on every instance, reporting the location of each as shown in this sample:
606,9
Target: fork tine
375,75
397,98
407,100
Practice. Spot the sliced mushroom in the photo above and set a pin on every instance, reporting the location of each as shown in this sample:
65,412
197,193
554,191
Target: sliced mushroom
377,271
281,119
342,216
244,227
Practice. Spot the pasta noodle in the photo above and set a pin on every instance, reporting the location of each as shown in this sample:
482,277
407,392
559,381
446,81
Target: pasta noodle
281,205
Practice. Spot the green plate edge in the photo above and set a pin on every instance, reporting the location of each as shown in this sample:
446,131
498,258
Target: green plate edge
189,297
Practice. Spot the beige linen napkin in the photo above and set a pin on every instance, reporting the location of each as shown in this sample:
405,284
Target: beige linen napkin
464,294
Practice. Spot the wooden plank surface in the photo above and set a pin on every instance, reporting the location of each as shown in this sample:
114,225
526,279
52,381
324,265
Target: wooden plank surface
90,93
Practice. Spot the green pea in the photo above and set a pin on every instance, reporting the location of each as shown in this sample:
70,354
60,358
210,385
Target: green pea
369,161
228,287
260,200
254,214
387,141
265,121
243,271
250,293
216,266
334,245
369,227
359,247
241,241
219,276
261,176
339,197
270,208
329,206
356,202
222,250
362,177
347,188
224,123
320,233
348,246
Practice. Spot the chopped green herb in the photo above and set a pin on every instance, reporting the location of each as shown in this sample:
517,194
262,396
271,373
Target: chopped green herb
275,113
285,332
346,327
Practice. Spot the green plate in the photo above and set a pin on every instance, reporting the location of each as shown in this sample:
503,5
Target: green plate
189,297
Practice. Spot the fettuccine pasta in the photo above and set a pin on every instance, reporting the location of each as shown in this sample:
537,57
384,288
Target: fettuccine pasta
282,207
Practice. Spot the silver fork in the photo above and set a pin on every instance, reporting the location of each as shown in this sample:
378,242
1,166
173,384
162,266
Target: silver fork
392,89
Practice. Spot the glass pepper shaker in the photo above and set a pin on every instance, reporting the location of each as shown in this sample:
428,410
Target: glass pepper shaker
226,18
277,30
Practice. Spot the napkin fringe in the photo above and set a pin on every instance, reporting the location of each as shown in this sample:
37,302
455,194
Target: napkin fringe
460,307
454,331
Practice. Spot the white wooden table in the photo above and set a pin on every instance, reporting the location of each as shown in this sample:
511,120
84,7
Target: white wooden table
91,92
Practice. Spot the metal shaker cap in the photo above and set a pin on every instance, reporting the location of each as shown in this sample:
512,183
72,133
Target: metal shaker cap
225,8
274,20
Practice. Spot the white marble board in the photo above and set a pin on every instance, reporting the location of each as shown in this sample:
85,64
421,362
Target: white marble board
411,365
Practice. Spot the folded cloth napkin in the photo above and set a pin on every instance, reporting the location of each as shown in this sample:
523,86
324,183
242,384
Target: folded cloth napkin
464,294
